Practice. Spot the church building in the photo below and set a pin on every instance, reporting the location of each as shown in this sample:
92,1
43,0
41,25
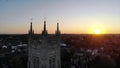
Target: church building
44,51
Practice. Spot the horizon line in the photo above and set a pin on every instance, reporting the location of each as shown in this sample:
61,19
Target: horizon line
53,33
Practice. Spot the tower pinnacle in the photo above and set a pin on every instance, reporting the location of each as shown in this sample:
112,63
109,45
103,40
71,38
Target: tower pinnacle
44,32
44,24
57,26
57,31
31,31
31,27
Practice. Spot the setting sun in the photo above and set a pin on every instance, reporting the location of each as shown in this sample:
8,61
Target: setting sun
97,31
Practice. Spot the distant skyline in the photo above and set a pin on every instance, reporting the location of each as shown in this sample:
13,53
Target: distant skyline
74,16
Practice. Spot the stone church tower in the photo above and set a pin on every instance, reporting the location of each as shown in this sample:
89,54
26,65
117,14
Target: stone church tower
44,51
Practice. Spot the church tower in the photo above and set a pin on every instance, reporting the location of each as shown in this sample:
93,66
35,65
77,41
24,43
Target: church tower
44,51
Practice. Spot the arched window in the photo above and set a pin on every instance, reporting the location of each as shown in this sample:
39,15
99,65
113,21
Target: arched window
52,62
36,62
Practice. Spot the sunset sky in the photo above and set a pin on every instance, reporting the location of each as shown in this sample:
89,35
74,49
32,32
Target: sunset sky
74,16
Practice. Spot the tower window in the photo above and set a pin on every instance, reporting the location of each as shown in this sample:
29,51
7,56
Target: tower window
52,62
36,62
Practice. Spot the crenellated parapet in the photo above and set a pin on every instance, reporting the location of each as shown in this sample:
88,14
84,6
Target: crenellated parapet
44,34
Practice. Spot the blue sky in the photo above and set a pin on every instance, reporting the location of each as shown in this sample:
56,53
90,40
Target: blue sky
75,16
